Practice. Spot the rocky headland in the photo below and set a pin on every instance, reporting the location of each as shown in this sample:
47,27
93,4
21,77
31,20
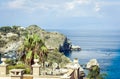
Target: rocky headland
12,37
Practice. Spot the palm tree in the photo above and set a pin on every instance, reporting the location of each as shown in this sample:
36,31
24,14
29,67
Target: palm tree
43,54
33,47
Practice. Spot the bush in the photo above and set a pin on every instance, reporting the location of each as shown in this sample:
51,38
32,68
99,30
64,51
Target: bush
10,62
20,66
9,68
2,43
6,29
14,38
27,70
58,57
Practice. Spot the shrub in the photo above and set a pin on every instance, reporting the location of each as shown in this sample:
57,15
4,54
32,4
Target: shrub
14,38
9,61
20,66
2,43
6,29
27,70
58,57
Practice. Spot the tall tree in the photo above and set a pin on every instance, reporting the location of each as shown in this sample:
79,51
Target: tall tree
32,48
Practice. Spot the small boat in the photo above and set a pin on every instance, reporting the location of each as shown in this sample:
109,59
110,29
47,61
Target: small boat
76,48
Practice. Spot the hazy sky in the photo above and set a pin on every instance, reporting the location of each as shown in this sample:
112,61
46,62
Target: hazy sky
61,14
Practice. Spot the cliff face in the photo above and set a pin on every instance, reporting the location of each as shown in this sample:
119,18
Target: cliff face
12,37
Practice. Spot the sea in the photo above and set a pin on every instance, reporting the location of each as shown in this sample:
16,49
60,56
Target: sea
103,45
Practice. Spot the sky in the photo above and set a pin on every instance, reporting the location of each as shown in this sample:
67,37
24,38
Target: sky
61,14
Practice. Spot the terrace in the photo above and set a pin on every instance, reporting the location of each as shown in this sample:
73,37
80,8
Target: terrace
71,71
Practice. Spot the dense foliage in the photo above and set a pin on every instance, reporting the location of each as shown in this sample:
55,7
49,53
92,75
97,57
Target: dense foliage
57,57
94,73
20,66
2,43
32,48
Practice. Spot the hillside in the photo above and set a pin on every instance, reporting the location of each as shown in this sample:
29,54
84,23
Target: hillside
12,37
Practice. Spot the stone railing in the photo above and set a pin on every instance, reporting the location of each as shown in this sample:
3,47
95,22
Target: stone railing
72,73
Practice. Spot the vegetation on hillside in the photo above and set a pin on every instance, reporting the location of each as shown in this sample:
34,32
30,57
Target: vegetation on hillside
57,57
13,34
34,43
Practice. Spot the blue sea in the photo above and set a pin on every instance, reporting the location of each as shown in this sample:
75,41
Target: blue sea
103,45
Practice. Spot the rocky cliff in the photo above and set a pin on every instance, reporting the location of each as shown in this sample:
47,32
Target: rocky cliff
12,37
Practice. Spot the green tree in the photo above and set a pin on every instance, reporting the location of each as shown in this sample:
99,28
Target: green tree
15,29
94,73
33,47
43,54
5,29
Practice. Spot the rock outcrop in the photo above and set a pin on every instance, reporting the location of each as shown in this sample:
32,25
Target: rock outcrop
92,62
